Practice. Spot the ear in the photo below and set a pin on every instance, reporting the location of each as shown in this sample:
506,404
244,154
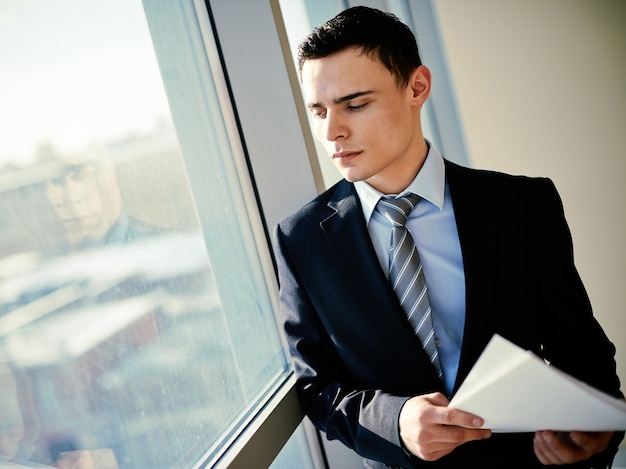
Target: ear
420,84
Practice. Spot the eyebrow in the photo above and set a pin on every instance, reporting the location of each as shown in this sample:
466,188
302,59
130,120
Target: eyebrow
343,99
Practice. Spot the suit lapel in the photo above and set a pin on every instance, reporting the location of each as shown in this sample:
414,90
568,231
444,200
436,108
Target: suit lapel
347,235
477,228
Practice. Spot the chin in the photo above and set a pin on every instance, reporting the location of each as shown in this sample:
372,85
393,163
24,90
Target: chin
351,176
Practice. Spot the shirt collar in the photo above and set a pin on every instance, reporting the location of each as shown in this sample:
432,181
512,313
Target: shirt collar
429,184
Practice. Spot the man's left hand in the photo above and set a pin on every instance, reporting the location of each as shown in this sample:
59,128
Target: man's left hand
569,447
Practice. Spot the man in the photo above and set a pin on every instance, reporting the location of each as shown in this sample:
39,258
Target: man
495,252
87,208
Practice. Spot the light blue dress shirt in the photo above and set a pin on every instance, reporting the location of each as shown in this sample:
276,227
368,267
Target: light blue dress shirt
433,227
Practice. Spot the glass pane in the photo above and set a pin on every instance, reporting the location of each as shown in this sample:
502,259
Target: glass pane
136,325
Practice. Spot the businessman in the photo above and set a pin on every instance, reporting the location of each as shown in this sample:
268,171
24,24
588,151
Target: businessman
393,281
87,210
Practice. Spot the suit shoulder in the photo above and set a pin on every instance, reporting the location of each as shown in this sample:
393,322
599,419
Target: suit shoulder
314,211
498,181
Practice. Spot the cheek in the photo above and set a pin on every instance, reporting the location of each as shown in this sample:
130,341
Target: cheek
90,194
54,195
393,129
319,130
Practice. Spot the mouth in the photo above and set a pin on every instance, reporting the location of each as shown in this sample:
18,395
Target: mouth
73,222
345,155
69,221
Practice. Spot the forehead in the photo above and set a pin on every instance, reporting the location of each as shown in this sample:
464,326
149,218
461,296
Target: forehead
343,73
75,171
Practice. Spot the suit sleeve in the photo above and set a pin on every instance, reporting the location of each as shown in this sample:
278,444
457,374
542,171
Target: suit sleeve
573,340
365,420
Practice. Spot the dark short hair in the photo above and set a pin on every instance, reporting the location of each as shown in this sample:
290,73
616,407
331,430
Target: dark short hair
381,35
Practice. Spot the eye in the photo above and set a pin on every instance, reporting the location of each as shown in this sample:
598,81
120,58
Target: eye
55,182
356,107
318,112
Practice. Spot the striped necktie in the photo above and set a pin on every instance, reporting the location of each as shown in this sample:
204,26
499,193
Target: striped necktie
406,274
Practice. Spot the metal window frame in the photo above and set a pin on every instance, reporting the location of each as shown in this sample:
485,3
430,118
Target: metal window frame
256,440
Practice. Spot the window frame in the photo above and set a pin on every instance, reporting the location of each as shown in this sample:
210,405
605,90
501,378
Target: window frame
261,436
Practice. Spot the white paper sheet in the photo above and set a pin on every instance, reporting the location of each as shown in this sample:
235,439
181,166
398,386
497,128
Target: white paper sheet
513,390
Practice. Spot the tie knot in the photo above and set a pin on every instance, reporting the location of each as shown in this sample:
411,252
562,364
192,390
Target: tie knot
397,210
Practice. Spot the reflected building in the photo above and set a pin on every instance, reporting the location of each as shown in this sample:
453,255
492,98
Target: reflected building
107,318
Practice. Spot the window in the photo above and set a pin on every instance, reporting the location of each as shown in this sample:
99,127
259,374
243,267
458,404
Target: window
140,175
137,296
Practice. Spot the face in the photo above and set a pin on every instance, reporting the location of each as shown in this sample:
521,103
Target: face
77,204
369,125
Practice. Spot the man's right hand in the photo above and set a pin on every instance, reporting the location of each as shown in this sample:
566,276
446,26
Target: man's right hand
430,429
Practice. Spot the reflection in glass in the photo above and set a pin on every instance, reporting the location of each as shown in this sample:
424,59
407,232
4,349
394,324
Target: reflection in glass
117,348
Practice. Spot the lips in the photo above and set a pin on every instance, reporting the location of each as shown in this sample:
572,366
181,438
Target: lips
345,155
77,222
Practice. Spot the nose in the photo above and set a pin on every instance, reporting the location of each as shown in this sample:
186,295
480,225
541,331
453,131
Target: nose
336,127
65,196
73,195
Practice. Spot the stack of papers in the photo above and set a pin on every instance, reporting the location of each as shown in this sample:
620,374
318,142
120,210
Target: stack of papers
513,390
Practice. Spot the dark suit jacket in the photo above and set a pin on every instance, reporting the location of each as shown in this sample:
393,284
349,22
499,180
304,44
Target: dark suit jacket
357,359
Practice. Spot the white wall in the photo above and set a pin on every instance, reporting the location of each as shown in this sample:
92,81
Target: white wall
541,90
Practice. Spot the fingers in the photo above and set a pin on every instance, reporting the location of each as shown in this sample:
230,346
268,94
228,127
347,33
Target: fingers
430,430
591,442
431,446
457,418
432,441
568,447
550,449
436,398
440,414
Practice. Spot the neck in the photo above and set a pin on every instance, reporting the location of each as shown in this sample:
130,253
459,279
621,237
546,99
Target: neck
400,179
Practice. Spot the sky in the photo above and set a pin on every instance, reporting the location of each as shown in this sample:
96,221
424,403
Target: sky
74,73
